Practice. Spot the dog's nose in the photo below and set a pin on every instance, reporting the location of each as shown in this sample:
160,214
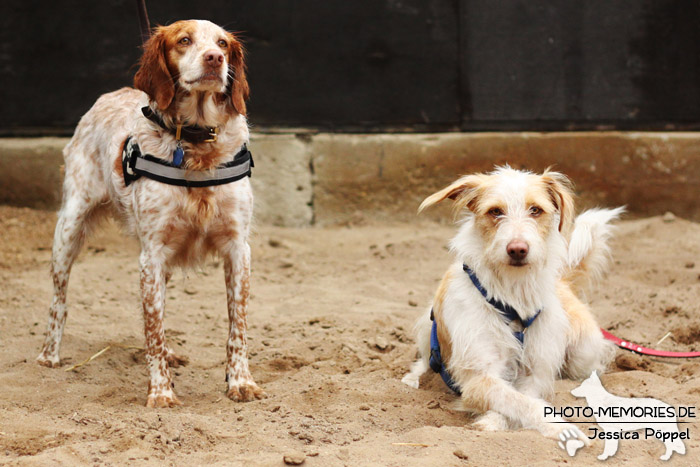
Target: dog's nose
517,249
213,58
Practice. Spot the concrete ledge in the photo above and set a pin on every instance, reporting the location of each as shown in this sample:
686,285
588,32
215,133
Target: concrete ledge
31,175
387,176
282,180
30,171
339,178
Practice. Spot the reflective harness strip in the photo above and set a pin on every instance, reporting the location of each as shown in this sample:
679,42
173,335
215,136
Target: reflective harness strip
135,164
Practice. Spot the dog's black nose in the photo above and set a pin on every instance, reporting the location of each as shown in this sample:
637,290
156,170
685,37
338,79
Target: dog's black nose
518,249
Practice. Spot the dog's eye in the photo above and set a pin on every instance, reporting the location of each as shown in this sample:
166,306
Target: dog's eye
535,211
495,212
185,41
223,44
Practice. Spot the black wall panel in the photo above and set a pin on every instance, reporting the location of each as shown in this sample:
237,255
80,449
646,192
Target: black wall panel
596,63
378,65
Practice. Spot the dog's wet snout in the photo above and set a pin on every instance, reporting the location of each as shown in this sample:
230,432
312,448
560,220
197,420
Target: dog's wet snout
518,249
213,58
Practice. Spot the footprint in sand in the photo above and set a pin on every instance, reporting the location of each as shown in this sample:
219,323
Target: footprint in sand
570,442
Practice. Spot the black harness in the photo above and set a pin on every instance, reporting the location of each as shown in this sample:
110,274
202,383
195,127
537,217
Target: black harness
135,164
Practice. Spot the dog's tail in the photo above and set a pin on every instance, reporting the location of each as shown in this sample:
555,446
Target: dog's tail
589,251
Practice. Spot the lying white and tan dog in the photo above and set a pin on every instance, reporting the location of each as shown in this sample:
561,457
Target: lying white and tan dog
507,320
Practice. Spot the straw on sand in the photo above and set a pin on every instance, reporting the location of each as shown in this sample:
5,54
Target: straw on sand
86,361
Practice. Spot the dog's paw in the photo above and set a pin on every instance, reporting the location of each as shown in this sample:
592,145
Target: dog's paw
410,380
491,421
245,392
570,442
162,400
51,361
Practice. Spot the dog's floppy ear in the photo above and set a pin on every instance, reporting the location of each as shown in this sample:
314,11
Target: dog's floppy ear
562,193
464,191
237,90
153,76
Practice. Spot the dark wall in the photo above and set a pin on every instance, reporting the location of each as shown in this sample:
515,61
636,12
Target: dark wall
580,64
377,65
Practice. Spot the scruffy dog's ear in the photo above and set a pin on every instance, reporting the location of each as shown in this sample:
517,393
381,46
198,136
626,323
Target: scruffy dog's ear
562,193
464,192
153,76
237,90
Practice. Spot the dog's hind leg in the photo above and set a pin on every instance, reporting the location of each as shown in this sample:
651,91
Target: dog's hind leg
420,366
80,205
586,348
590,352
412,378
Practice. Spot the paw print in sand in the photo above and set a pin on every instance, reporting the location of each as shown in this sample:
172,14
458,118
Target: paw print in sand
570,442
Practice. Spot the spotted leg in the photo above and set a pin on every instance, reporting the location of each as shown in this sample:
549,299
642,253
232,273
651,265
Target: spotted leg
68,238
241,386
174,360
160,386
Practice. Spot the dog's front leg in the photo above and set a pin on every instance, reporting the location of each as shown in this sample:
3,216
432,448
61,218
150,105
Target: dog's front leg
485,392
160,385
241,386
538,383
492,421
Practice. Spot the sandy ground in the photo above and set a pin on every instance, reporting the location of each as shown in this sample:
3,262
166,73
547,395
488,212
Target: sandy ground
330,338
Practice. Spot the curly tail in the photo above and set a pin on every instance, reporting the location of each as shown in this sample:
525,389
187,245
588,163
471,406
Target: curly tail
589,251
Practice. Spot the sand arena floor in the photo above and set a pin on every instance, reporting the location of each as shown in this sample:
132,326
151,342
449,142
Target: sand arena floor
330,337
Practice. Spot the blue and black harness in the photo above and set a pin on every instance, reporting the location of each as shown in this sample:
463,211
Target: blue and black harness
136,164
508,312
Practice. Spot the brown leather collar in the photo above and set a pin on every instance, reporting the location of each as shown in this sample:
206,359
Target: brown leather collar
192,134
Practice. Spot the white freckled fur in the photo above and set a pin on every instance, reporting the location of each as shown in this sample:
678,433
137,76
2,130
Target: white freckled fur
156,213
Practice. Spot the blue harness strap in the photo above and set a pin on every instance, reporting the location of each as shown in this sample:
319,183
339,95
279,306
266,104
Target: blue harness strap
436,359
507,311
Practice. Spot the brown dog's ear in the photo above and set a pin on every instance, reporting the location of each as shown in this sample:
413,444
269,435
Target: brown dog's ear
153,76
464,191
237,90
562,193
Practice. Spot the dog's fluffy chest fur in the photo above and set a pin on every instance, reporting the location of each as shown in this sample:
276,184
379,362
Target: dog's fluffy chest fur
474,334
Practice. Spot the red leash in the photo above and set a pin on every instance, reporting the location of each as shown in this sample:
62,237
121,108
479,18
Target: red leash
627,345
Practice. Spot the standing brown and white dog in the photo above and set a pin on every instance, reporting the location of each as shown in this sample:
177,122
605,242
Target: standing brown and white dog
506,319
191,82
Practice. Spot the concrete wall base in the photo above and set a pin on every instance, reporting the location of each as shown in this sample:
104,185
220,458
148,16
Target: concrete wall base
305,178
